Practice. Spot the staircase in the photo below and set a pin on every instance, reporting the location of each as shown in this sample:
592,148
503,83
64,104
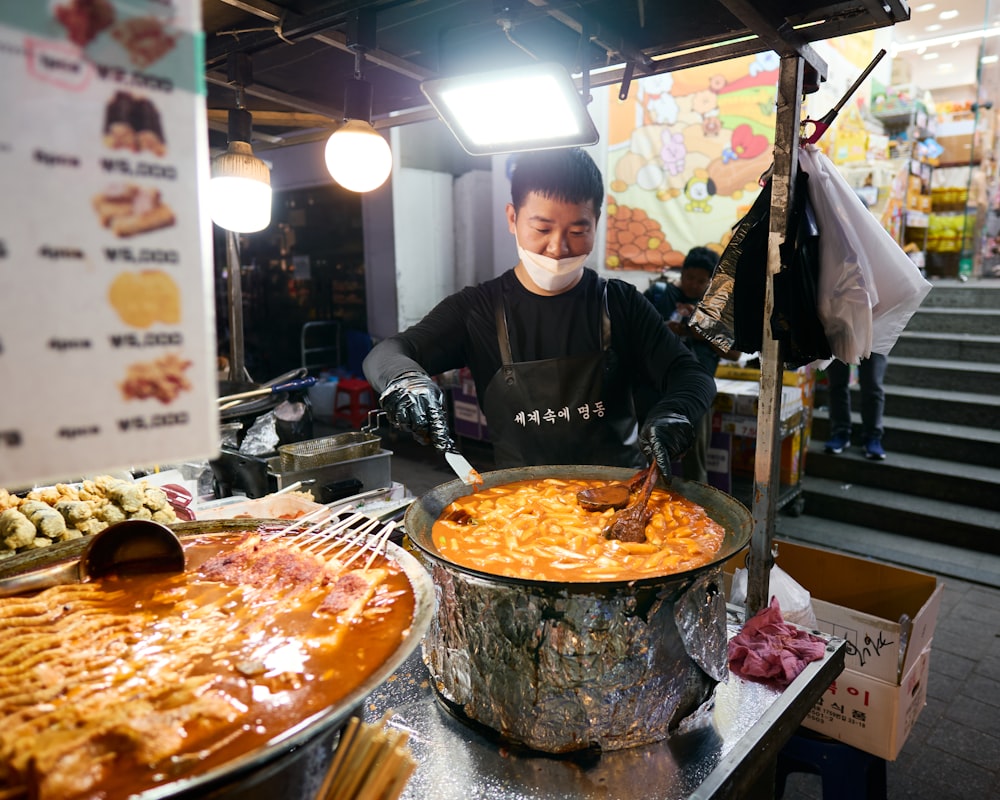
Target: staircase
941,480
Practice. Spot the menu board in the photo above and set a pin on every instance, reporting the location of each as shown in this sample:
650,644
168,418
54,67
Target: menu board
107,332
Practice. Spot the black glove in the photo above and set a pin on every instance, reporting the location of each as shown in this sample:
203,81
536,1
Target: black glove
665,439
413,402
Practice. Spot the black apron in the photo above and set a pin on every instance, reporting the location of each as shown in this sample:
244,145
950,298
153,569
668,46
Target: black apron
569,410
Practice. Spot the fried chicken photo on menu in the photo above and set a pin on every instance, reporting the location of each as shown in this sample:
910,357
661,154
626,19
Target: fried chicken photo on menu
84,19
163,379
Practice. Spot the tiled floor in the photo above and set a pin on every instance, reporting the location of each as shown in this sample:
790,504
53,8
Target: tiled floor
953,752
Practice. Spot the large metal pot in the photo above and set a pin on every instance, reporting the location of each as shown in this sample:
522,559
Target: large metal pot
560,667
291,765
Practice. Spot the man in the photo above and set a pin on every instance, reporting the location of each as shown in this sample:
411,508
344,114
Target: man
676,303
554,349
871,374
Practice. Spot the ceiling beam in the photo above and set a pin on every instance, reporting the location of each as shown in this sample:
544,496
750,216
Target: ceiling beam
289,28
576,19
219,78
783,38
279,119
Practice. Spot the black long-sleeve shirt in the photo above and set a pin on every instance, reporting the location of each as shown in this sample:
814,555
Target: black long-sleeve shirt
461,331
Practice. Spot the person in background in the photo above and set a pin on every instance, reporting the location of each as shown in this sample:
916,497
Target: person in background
676,303
554,349
871,373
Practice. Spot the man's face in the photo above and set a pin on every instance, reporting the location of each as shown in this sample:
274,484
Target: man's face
553,228
694,283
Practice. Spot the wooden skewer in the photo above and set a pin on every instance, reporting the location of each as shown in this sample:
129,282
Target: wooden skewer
399,782
371,763
338,757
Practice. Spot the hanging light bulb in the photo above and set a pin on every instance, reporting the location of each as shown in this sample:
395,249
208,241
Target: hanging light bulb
357,156
239,193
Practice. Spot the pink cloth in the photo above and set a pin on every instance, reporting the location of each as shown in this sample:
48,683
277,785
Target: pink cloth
770,650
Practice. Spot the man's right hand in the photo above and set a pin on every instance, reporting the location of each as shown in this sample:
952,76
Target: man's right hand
415,403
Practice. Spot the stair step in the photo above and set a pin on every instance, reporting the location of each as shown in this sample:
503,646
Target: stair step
940,405
942,559
963,294
968,484
984,321
936,440
922,518
961,376
946,346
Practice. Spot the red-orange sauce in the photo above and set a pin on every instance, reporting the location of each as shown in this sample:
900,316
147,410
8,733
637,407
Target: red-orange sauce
537,530
300,673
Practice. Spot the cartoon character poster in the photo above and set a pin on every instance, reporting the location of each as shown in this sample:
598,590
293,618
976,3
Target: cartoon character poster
685,153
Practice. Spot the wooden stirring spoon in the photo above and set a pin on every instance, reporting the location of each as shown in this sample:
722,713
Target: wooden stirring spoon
629,524
612,495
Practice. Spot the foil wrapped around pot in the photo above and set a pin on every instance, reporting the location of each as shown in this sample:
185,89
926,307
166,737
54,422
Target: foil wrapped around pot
562,667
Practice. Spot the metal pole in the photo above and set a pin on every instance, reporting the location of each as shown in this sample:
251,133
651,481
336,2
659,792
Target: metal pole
237,363
767,462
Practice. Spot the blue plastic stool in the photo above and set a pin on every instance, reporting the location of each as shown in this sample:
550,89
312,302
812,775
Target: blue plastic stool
847,773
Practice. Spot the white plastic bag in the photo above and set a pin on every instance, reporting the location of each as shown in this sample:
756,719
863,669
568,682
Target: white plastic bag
844,305
793,598
868,287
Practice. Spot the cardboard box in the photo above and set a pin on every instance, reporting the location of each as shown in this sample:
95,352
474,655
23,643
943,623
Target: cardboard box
959,149
789,377
885,613
870,714
718,460
744,425
742,398
887,616
743,450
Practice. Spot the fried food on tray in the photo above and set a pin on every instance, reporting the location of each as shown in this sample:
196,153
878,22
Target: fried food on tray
16,530
62,512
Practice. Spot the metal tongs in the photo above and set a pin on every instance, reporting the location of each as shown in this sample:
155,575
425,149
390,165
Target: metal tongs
821,125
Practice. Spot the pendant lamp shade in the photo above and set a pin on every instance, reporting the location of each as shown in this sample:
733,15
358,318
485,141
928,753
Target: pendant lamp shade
239,193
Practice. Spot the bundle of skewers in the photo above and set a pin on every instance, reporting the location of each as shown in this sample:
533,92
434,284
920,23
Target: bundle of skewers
372,762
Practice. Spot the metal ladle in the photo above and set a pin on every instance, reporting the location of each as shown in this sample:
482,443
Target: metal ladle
134,546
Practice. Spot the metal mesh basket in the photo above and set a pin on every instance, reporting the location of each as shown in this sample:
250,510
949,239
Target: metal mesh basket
328,450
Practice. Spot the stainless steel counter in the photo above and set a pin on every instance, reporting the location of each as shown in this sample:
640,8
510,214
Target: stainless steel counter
726,749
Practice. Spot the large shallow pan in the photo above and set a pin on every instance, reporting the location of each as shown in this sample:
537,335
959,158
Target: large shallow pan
726,510
564,667
290,765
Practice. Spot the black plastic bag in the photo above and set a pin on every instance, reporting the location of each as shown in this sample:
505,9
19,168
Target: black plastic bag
731,315
795,320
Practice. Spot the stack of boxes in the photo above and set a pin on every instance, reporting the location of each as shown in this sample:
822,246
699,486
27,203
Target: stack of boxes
734,424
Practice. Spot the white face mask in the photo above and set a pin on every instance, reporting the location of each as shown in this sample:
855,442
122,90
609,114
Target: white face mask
552,274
